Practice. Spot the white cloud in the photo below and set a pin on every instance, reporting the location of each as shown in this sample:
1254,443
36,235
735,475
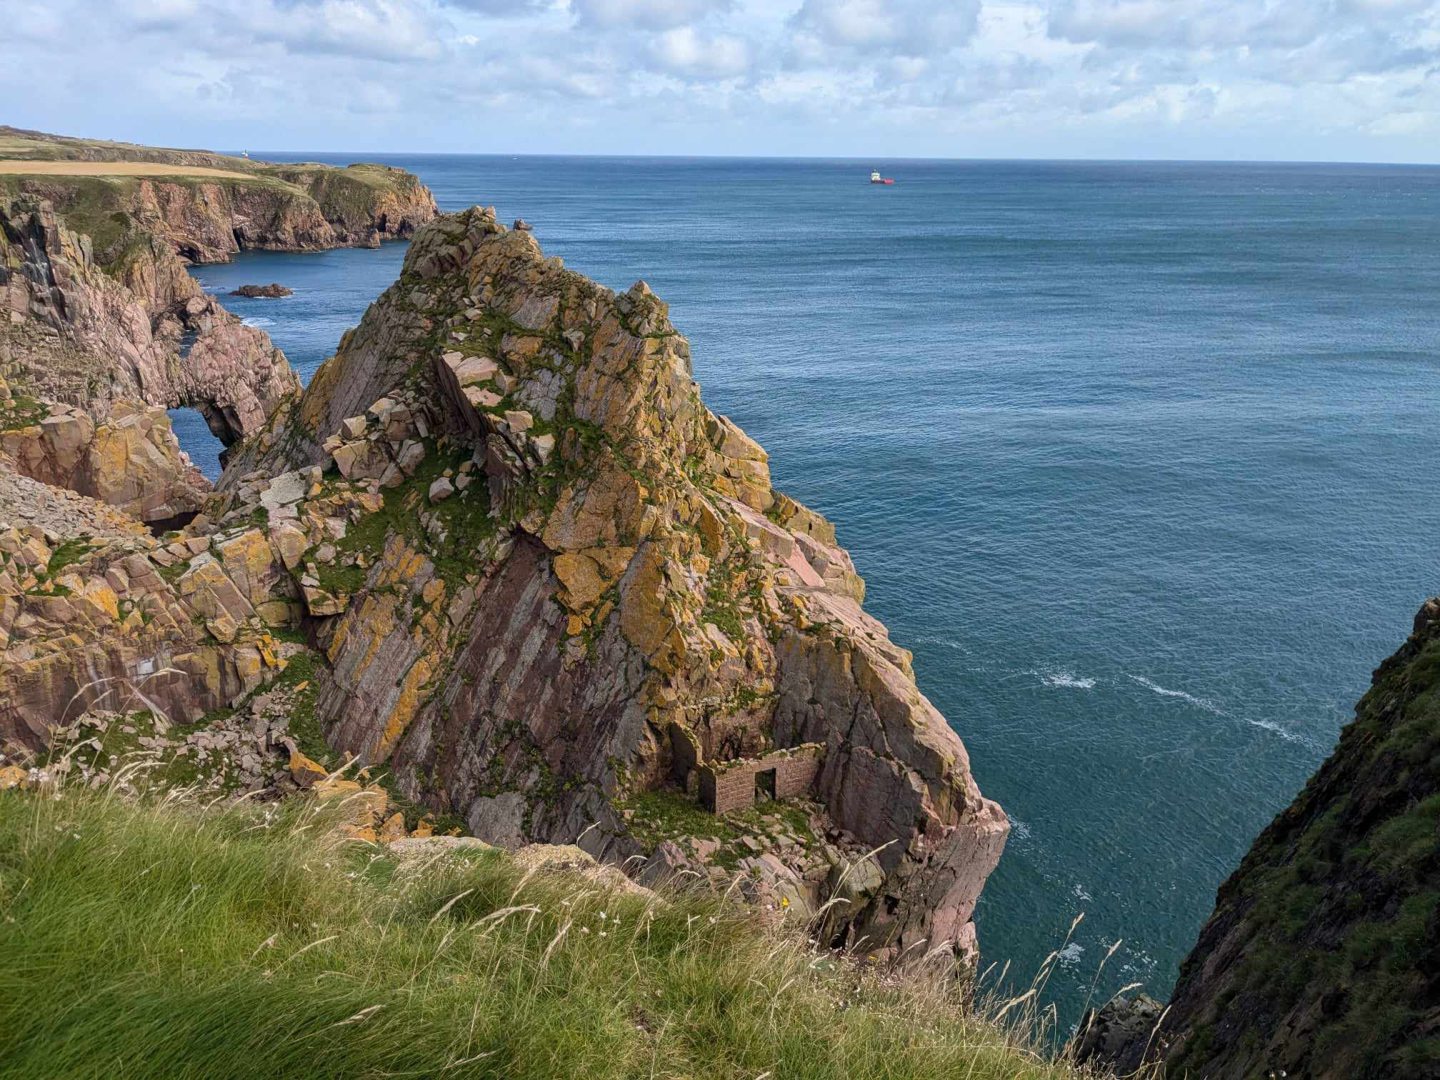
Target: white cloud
1044,77
906,27
685,51
646,14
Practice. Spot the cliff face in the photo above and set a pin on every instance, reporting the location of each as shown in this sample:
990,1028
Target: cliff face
97,614
130,460
1322,956
215,205
559,597
540,583
142,329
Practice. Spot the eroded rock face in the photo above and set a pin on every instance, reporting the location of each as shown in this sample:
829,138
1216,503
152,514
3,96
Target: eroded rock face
551,587
543,583
141,330
95,613
130,460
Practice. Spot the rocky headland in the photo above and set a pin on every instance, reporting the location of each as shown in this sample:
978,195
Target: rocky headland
501,559
524,571
208,206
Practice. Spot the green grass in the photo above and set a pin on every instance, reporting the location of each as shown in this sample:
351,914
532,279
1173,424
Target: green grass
167,939
21,412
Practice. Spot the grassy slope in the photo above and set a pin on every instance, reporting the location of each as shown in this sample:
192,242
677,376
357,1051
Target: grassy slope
168,940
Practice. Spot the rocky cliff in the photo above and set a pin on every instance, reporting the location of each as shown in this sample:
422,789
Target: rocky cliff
129,460
552,594
212,205
579,589
85,333
95,303
1322,956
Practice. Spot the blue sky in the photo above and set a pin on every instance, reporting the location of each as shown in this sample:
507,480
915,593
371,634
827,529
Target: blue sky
878,79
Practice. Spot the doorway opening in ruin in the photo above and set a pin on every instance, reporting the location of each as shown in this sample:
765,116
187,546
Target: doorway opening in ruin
764,785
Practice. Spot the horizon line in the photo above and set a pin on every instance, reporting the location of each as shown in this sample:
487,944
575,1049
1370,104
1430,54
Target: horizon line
847,158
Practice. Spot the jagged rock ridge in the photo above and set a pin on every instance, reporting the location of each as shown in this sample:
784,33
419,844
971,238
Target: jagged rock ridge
578,588
549,590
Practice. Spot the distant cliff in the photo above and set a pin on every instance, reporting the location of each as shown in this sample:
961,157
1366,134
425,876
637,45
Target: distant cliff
86,333
97,304
1322,956
212,205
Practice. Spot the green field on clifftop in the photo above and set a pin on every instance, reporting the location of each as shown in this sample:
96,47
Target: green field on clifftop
166,939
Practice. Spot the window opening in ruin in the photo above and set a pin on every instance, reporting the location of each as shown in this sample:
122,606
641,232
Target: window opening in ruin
764,785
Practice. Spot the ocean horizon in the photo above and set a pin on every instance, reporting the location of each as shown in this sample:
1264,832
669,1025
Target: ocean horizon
1133,456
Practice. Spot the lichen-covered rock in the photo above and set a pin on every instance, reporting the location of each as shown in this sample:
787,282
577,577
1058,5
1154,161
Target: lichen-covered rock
95,613
575,587
130,460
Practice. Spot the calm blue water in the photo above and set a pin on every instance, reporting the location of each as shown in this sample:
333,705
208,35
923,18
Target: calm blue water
1138,458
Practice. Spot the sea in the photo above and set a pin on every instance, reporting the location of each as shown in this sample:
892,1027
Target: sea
1139,459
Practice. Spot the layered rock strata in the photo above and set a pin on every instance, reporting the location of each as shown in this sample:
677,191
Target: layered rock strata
544,587
550,587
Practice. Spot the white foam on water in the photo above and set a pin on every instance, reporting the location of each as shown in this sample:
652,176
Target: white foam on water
258,321
1080,893
1271,726
1019,830
1211,707
1164,691
1070,955
1066,679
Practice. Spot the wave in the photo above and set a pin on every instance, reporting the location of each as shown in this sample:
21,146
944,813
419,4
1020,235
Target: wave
1165,691
1210,707
258,321
1066,679
1271,726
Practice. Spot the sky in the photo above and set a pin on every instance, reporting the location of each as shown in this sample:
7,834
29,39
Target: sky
1335,80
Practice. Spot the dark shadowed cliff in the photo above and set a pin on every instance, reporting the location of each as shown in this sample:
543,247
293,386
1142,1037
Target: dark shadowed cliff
1322,956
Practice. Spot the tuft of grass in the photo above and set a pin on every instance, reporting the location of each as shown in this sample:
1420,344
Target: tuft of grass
169,938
